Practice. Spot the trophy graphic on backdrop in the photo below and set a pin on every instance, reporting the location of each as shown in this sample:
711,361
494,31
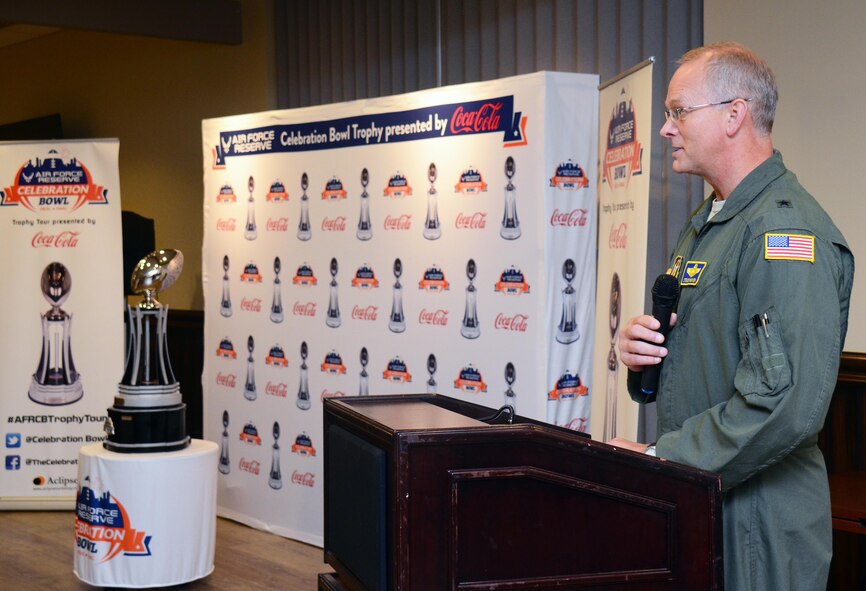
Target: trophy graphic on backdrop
226,301
510,396
365,226
364,385
431,369
250,384
567,331
224,464
277,304
304,388
56,381
148,413
471,328
250,232
609,431
275,481
432,229
510,229
397,323
332,318
305,231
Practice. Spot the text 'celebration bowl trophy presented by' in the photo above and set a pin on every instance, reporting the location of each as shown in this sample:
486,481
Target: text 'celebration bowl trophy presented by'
148,413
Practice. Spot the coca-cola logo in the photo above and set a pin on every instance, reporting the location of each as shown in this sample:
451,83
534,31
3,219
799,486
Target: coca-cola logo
251,466
329,394
569,219
337,224
618,236
368,313
278,390
307,309
226,225
516,323
251,305
485,118
403,222
304,479
227,380
433,317
472,221
61,240
277,225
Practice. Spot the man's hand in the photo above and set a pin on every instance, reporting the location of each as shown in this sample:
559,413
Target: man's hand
635,342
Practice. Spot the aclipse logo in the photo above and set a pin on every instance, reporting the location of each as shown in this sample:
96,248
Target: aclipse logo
337,224
278,225
306,479
251,466
486,118
404,222
278,390
618,236
308,309
227,380
226,225
368,313
61,240
516,323
569,219
473,221
253,305
435,317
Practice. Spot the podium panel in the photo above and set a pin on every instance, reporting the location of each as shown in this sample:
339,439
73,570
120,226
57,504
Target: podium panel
425,492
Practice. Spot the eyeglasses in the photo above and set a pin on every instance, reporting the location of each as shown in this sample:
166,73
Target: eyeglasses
676,114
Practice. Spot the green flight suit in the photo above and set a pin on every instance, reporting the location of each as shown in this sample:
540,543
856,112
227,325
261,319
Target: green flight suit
748,403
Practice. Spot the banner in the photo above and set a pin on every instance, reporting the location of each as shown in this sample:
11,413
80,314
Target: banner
61,350
625,112
439,241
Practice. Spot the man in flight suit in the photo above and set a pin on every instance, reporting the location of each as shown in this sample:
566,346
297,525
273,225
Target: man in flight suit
751,361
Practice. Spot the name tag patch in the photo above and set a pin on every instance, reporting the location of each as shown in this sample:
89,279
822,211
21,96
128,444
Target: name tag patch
692,273
789,247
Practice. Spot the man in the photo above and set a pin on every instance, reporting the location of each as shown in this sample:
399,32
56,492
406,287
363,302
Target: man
751,361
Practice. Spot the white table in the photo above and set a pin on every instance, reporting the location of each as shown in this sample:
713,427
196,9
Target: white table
145,520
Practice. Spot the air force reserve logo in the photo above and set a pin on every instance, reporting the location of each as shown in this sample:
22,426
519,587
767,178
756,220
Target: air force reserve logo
53,184
103,527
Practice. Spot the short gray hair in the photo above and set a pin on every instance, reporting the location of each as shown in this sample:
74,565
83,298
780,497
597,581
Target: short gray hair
734,71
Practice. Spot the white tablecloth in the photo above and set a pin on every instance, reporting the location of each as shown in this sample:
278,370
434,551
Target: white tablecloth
145,520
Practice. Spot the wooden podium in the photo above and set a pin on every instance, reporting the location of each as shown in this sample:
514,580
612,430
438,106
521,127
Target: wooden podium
425,492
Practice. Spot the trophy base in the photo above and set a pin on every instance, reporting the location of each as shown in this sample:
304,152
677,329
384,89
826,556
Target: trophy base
147,430
50,395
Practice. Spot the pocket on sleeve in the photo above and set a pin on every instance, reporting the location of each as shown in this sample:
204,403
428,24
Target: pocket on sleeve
764,369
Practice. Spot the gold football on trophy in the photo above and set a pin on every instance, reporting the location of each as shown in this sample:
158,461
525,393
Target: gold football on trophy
156,272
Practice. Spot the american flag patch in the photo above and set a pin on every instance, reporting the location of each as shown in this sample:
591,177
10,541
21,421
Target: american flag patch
789,247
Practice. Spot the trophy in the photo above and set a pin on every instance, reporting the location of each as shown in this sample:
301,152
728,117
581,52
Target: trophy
510,396
304,388
397,322
250,227
332,318
305,231
226,301
567,331
224,464
277,303
432,229
250,384
431,369
609,431
510,229
365,226
275,481
56,382
471,328
364,386
148,413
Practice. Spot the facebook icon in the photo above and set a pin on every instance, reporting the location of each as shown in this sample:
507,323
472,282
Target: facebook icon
13,462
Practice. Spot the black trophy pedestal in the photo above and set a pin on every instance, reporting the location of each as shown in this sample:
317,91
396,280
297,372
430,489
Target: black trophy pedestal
147,430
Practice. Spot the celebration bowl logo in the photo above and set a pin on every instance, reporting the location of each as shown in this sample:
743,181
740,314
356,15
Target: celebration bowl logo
304,276
277,192
103,527
433,280
277,357
226,349
397,371
365,278
251,274
512,282
303,446
398,186
470,182
469,380
53,185
568,386
623,153
334,190
333,364
570,176
250,435
226,195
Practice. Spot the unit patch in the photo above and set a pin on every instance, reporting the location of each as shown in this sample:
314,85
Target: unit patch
692,273
789,247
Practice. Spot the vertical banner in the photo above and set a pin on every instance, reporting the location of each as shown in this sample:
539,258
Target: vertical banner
625,115
416,243
61,351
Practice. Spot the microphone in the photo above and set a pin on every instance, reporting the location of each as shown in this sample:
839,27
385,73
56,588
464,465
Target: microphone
666,291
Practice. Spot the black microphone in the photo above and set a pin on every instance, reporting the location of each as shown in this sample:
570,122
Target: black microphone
666,291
